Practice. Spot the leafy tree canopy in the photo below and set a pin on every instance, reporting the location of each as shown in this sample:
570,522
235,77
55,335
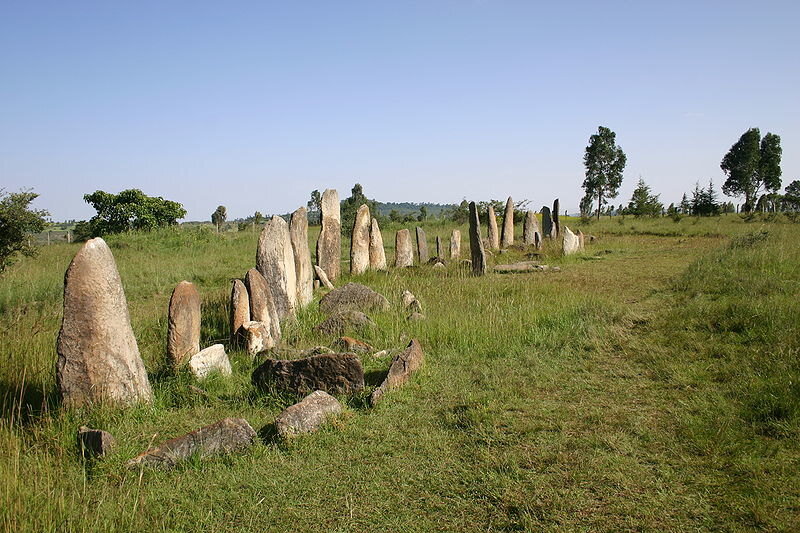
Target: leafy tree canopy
752,163
350,205
604,161
17,220
644,202
131,209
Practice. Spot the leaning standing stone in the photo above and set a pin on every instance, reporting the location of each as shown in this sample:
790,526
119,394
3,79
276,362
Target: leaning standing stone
240,309
556,223
262,307
329,243
422,246
323,277
359,243
183,329
572,243
475,243
275,261
455,244
508,224
547,222
98,358
308,415
403,254
377,255
298,231
403,365
494,234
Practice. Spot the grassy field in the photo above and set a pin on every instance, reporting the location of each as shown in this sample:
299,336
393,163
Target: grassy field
652,384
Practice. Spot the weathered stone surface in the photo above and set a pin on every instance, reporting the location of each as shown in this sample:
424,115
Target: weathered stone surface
275,261
494,234
403,253
410,302
257,337
475,244
402,367
571,242
329,243
359,243
439,247
353,296
240,309
530,228
335,373
507,239
455,244
308,415
377,254
415,316
209,360
349,344
547,222
438,265
422,246
537,240
323,277
98,358
262,307
298,233
581,240
343,321
226,436
522,266
183,324
95,442
556,222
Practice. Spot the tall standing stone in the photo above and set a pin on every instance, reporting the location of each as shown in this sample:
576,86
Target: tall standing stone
547,223
183,328
240,309
556,223
422,246
403,253
572,243
455,244
98,358
275,261
262,306
530,228
298,231
475,242
494,234
581,240
439,248
329,243
359,244
377,254
508,224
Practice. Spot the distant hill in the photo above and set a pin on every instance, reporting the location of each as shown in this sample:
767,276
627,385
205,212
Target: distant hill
408,208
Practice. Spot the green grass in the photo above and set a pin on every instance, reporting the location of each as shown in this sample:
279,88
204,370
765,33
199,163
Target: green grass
651,384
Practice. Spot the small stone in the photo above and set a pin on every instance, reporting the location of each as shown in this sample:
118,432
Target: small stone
183,328
257,337
211,359
336,373
308,415
353,296
415,316
316,350
226,436
323,277
382,353
349,344
402,367
95,442
403,254
343,321
410,302
438,264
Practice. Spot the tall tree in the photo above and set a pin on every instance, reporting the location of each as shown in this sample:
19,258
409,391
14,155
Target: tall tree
131,209
350,205
315,207
604,161
644,202
752,163
17,220
219,216
792,196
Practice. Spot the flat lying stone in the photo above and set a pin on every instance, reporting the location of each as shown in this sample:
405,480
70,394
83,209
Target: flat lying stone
403,365
337,373
353,296
308,415
212,359
226,436
349,344
341,322
415,316
524,266
95,442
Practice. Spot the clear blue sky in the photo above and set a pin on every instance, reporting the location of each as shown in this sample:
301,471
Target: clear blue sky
253,105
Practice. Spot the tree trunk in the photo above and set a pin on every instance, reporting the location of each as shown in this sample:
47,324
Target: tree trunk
599,202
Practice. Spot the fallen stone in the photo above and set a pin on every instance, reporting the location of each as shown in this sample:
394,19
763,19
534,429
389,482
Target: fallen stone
359,242
343,321
402,367
98,358
494,234
336,373
275,261
353,296
240,310
403,254
308,415
323,277
95,442
475,244
226,436
422,246
183,324
349,344
522,266
209,360
507,238
329,243
377,254
257,337
455,244
298,233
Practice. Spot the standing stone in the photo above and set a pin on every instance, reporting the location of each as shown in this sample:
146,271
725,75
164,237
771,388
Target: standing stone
183,329
581,240
403,254
209,360
475,243
95,442
537,240
262,307
329,243
455,244
377,255
572,243
422,246
530,228
547,223
98,358
308,415
508,224
556,223
275,261
322,277
359,244
494,234
240,309
298,232
439,248
257,337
